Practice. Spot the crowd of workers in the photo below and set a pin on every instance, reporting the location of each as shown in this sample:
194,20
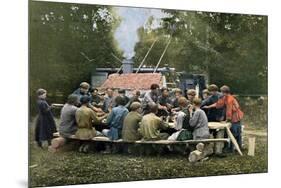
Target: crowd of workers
157,114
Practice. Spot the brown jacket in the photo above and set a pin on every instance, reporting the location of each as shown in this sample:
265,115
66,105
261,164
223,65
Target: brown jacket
85,117
150,127
131,126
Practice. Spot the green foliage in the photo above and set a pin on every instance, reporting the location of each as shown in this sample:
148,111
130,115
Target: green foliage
229,48
61,36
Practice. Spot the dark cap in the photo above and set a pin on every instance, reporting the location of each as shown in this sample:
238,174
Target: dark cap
122,91
84,99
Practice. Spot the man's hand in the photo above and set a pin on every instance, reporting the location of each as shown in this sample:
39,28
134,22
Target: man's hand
190,109
162,107
228,121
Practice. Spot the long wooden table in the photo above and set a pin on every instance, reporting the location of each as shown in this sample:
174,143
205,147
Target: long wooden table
220,125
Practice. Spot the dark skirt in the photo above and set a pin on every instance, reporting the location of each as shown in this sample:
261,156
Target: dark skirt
45,127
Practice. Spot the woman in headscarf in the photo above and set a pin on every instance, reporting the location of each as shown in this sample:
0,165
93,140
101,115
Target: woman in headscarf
45,124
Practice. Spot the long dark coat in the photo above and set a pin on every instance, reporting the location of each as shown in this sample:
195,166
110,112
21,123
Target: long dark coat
45,124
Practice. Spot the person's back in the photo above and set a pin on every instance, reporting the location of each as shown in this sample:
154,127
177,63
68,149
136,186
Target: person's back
200,125
199,122
115,119
68,125
151,125
232,108
130,126
85,118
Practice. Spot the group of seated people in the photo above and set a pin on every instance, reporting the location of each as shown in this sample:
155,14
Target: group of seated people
160,114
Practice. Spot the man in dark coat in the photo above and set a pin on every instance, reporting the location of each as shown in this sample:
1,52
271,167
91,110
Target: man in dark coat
45,124
164,103
213,114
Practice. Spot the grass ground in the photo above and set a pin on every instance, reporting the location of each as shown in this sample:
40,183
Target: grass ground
71,167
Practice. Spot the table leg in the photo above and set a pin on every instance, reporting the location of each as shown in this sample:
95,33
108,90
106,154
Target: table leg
233,140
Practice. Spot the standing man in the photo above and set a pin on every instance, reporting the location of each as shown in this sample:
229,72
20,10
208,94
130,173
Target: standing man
150,97
109,101
233,113
213,114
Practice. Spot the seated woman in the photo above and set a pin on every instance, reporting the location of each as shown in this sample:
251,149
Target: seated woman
182,122
198,121
115,119
85,117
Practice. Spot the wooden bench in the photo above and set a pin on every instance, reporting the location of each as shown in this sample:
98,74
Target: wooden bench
163,142
191,144
219,126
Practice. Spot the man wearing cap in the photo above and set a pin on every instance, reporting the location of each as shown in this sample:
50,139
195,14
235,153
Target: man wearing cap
233,113
213,114
150,97
95,98
175,99
131,123
82,90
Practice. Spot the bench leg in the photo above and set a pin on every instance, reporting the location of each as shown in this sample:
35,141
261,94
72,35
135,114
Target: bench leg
219,145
